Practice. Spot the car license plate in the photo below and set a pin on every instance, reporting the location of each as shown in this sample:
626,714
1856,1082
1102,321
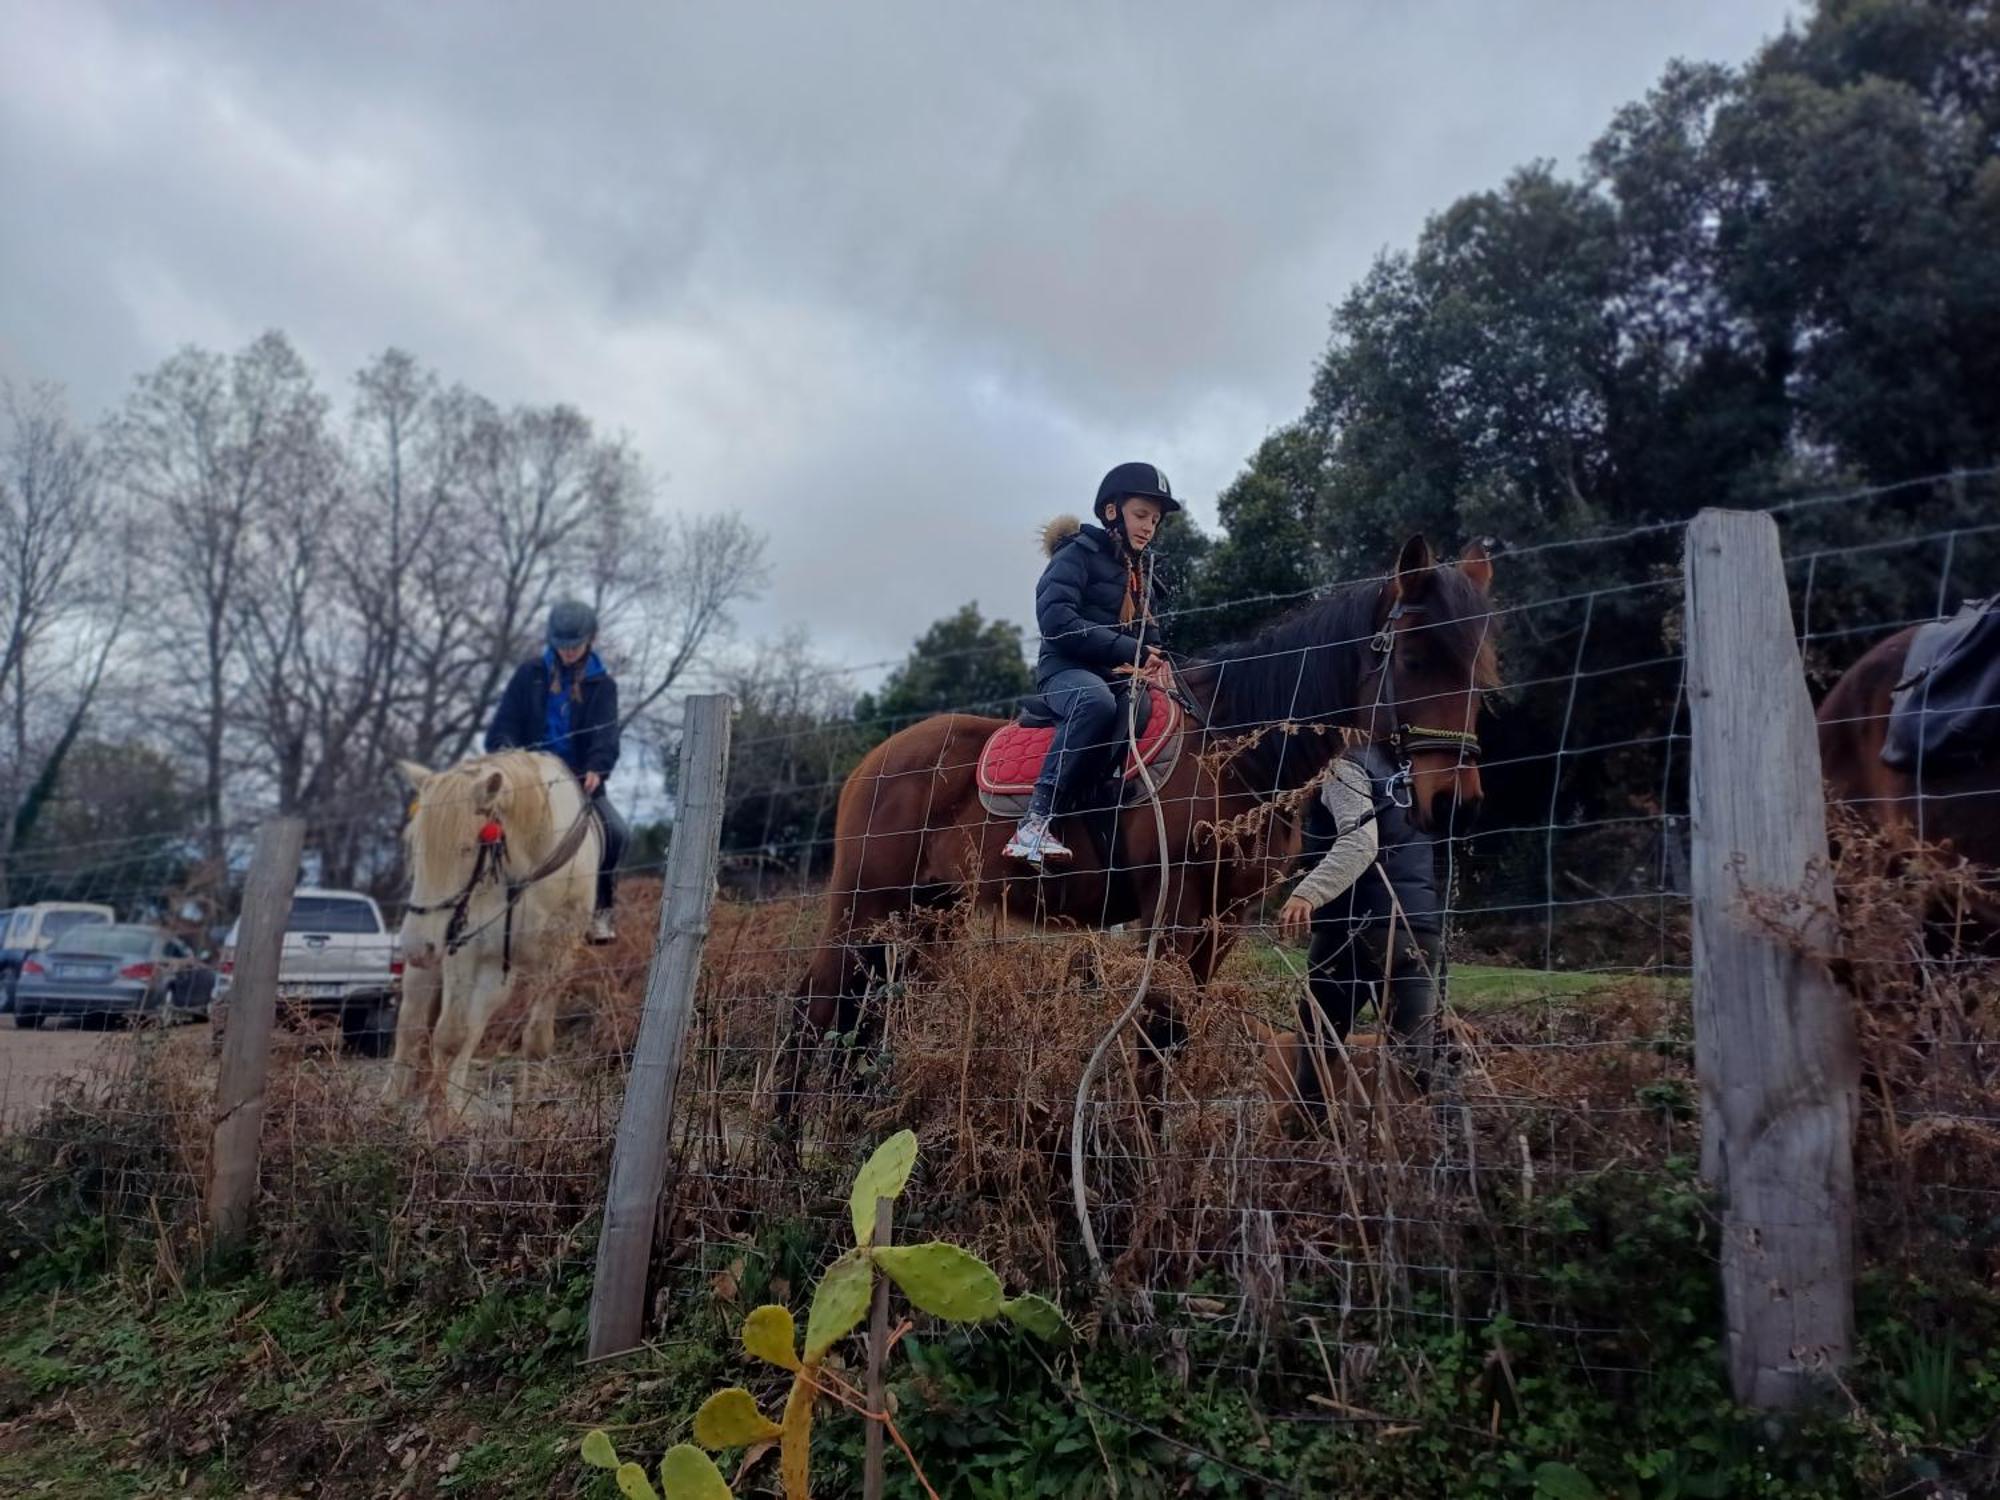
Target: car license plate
308,991
81,971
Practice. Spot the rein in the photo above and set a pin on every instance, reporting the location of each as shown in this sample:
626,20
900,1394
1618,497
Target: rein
1078,1194
491,865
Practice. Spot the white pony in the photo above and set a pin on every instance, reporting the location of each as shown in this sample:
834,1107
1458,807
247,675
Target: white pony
503,853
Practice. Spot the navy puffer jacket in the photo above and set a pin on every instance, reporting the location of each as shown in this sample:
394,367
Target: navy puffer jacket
521,721
1079,599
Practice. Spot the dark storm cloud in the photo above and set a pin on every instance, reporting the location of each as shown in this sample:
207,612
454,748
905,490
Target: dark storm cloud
898,281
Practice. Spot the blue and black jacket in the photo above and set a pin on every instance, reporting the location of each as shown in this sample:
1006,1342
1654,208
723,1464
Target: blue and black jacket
544,708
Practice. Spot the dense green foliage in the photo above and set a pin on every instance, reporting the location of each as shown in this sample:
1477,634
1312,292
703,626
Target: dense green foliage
113,1376
1781,274
1769,281
115,818
963,661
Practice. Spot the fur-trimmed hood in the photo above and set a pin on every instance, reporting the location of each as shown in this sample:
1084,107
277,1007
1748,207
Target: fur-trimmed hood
1059,532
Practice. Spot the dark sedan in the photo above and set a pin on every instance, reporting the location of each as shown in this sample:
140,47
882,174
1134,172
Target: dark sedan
113,969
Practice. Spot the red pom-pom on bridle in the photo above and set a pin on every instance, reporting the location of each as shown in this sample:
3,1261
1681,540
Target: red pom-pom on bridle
492,833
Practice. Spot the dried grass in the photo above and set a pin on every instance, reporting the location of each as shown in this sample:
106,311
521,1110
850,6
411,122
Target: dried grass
1201,1176
1208,1190
1924,971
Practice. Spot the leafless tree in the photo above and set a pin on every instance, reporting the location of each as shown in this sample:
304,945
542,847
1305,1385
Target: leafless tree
556,511
294,647
666,591
406,456
323,599
209,450
541,486
64,596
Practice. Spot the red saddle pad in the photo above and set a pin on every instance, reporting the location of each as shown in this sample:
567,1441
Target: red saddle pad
1013,756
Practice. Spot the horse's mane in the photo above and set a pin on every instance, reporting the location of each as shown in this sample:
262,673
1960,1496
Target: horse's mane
1307,667
456,802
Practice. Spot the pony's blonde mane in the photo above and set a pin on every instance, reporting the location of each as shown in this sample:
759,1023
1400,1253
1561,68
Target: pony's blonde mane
455,804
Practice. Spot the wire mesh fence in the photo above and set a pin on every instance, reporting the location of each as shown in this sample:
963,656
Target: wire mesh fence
1294,1215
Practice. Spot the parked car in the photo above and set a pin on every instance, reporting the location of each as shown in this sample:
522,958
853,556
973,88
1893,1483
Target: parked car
340,959
97,970
27,930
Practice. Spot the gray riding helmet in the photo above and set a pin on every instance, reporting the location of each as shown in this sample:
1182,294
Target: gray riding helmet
572,623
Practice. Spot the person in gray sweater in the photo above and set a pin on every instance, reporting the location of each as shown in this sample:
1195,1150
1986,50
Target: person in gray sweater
1377,925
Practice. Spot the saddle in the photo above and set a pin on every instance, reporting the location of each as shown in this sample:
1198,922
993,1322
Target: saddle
1012,756
1945,713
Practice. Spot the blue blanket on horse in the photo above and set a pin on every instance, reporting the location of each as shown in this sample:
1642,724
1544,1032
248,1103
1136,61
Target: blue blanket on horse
1946,711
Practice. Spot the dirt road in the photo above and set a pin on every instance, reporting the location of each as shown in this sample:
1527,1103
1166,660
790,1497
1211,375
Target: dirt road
32,1063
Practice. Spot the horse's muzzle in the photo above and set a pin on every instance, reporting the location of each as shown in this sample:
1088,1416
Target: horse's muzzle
1453,816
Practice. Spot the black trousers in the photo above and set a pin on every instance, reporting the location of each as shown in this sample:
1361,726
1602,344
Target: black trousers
1348,967
616,835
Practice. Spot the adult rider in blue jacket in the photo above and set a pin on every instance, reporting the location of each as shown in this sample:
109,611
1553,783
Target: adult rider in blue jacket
565,702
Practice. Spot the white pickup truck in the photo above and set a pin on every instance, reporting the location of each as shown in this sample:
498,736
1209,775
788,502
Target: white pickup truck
340,958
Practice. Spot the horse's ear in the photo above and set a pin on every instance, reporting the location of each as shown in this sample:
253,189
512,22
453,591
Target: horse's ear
1414,568
490,789
417,776
1477,565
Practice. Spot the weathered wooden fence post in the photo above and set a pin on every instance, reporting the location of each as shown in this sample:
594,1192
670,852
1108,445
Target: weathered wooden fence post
639,1157
1774,1037
246,1044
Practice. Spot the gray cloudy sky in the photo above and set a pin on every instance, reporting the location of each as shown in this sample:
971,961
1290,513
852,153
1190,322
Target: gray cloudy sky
898,281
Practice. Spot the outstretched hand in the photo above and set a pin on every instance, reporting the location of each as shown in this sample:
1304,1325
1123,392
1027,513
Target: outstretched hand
1294,917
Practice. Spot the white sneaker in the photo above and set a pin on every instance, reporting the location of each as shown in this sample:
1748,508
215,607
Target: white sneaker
600,928
1034,842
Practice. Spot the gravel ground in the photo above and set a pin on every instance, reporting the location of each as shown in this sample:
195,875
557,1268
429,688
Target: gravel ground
32,1063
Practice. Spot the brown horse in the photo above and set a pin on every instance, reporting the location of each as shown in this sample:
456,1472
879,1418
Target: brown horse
1958,808
1406,659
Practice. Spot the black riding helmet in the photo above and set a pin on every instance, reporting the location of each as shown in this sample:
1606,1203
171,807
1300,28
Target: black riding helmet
572,623
1127,480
